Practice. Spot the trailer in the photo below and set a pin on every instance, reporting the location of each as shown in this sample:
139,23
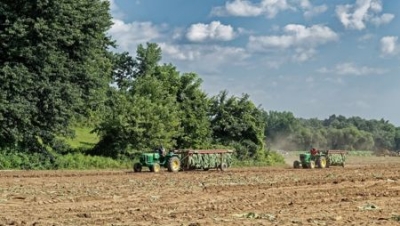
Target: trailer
205,159
335,157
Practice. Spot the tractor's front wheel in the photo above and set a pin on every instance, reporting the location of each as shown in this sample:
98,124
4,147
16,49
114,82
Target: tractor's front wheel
155,168
321,162
174,164
137,167
311,165
296,164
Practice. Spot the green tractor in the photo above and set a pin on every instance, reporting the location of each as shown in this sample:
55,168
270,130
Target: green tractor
311,160
154,161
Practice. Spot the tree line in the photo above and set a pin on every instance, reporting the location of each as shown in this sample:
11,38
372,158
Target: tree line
58,69
285,131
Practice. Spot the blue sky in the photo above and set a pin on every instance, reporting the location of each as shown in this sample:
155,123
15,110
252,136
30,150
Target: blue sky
313,58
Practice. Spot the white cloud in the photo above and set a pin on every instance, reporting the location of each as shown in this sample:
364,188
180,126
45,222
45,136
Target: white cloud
198,52
204,59
302,55
115,10
245,8
237,8
384,19
310,10
213,31
269,8
376,6
129,35
178,53
389,45
352,69
363,11
295,36
316,10
302,40
336,80
366,37
304,3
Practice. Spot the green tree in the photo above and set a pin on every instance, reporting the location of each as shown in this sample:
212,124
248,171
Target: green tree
153,105
305,138
191,104
147,59
238,122
123,70
54,64
397,139
194,108
280,128
337,122
126,68
384,135
145,119
350,138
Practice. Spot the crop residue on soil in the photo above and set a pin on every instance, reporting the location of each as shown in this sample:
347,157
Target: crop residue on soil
363,194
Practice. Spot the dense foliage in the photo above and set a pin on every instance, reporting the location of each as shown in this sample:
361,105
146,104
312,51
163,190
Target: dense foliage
54,64
237,122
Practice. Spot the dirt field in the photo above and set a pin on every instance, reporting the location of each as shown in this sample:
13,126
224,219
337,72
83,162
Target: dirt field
366,192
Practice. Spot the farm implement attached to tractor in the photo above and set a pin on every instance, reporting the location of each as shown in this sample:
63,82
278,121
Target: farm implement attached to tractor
321,159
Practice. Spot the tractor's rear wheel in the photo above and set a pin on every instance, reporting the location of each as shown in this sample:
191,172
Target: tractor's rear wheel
328,163
321,162
296,164
311,165
155,168
174,164
137,167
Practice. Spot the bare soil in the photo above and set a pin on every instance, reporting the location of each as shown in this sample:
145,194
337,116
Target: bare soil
365,192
